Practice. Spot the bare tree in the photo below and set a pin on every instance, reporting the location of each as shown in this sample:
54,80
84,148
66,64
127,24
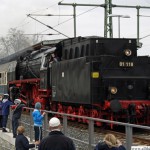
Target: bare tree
15,40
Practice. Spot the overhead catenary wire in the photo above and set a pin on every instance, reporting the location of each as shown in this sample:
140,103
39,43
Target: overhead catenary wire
47,26
52,15
144,16
77,16
145,37
37,34
42,34
23,24
48,15
47,7
71,18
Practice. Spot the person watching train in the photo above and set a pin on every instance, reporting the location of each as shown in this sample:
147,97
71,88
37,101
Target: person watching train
1,117
38,121
21,142
16,115
110,142
6,103
56,140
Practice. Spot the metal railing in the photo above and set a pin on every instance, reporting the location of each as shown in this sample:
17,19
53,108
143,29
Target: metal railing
128,127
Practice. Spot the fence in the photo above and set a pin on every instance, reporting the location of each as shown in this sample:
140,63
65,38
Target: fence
90,143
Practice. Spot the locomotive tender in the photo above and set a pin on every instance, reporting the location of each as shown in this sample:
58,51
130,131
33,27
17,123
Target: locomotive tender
88,76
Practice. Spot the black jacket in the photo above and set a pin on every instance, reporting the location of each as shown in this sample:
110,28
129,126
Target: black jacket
104,146
56,140
18,110
22,143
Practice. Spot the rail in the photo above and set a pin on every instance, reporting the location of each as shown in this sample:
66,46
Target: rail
128,127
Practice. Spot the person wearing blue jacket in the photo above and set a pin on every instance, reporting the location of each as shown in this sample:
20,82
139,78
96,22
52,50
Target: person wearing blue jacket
1,113
110,142
38,121
6,103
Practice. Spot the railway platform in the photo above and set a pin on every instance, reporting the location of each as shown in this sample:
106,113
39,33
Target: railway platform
7,142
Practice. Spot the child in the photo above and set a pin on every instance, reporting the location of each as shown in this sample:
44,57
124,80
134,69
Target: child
38,120
21,141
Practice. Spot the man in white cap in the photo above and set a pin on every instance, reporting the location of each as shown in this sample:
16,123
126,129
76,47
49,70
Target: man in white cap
56,140
16,116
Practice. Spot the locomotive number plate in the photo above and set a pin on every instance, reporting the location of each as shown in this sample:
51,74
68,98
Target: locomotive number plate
126,64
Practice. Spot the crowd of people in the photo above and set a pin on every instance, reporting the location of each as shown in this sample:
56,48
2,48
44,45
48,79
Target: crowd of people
55,140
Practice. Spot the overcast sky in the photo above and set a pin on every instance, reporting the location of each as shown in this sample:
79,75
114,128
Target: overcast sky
90,20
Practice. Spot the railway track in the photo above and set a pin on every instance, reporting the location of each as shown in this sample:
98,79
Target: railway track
139,138
80,131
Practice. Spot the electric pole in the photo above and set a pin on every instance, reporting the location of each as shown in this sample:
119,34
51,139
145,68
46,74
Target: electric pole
108,32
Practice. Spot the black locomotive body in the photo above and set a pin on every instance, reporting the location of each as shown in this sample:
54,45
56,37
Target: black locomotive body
102,75
90,76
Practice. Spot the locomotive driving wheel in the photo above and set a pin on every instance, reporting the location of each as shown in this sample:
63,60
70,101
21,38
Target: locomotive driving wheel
95,114
81,112
70,110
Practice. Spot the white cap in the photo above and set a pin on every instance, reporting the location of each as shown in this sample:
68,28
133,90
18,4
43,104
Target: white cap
17,101
6,94
54,122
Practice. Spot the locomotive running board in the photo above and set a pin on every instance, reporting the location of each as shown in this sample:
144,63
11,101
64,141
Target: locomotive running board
24,81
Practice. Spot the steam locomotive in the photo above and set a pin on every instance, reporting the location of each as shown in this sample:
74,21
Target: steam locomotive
87,76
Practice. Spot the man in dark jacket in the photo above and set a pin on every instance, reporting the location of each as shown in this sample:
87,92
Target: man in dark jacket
56,140
16,116
1,113
5,110
22,142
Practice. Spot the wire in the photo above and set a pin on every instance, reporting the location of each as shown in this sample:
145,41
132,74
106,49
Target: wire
47,7
41,34
48,15
48,26
54,15
21,24
71,18
144,16
145,37
76,16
